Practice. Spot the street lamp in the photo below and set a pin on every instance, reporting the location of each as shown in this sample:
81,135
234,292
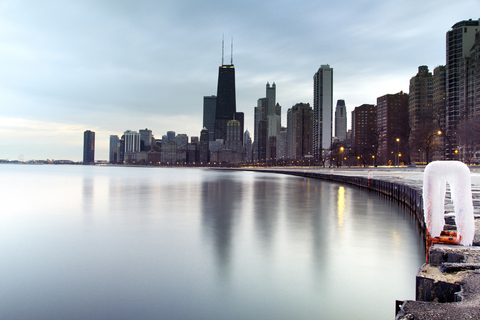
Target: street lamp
398,152
341,151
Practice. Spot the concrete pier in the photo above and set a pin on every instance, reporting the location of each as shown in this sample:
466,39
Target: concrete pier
448,287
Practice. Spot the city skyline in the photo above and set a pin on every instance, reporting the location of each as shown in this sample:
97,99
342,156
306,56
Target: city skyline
71,67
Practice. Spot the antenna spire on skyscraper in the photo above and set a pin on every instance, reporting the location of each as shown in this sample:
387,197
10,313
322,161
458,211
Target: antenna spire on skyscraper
231,54
223,40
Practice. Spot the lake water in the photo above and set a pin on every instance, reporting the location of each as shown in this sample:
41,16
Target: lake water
89,242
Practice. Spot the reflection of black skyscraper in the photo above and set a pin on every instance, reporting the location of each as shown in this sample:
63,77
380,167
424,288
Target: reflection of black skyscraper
225,108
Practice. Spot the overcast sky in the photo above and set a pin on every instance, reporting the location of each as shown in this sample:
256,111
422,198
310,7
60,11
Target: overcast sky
112,66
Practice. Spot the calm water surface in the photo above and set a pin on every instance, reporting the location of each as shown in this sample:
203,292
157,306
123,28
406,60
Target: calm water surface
82,242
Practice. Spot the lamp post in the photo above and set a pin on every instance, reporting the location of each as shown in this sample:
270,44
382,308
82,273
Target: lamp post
398,152
341,154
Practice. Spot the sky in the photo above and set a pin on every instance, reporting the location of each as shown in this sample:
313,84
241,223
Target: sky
112,66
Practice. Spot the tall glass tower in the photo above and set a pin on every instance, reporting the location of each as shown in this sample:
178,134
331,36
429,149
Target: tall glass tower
322,110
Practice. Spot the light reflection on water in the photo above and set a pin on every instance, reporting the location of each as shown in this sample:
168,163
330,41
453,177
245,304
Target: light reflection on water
112,242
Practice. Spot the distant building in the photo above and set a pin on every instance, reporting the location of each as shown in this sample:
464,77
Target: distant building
169,153
114,149
204,153
209,106
132,146
89,147
341,120
323,110
281,148
300,131
171,136
145,139
232,149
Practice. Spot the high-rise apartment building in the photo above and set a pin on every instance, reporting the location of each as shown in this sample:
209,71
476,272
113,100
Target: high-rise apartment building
341,120
364,130
300,131
420,105
392,128
89,147
322,109
209,106
459,41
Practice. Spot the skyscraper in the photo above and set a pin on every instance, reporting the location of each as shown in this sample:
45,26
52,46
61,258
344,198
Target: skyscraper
322,110
459,41
341,120
89,147
225,106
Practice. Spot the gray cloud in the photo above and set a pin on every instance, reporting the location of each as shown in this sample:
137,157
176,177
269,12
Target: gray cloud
105,64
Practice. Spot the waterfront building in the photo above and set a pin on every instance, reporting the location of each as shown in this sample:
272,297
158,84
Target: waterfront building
132,141
459,41
209,107
322,109
392,131
132,146
300,140
89,147
364,131
114,149
341,120
145,139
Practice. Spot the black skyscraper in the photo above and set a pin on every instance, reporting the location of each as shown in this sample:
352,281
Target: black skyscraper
226,106
89,147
